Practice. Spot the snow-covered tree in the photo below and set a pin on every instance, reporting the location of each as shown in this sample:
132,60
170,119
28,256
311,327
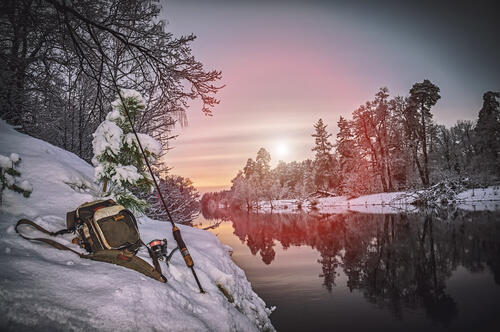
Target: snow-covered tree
373,126
119,164
8,176
244,191
272,190
262,165
181,197
249,168
348,153
324,163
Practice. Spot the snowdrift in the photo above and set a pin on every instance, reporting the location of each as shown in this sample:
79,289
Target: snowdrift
46,289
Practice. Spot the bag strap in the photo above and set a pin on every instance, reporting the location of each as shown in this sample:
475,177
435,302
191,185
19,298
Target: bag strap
129,261
110,256
48,241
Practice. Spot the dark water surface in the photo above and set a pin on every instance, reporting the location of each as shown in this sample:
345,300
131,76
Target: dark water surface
431,271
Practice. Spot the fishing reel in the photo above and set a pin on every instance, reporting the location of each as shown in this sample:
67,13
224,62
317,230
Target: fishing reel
159,249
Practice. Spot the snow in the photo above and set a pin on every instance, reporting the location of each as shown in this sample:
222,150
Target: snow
5,162
148,143
9,179
131,93
487,199
44,288
107,137
25,185
14,157
491,193
114,115
126,173
128,93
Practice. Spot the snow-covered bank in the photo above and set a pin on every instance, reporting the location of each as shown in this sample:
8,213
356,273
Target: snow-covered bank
471,199
46,289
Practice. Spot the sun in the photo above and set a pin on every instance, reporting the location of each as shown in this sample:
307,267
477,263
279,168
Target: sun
281,149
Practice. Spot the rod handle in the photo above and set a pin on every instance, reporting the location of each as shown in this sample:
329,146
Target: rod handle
182,247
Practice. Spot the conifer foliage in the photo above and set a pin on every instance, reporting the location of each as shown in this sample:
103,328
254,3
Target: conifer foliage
324,176
119,164
487,132
9,176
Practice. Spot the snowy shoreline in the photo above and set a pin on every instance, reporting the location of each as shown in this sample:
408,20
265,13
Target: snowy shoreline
51,290
479,199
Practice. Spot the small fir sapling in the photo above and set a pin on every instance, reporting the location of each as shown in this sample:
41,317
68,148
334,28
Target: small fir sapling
119,164
8,175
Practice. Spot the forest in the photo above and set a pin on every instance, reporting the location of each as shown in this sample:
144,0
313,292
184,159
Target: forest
390,144
63,64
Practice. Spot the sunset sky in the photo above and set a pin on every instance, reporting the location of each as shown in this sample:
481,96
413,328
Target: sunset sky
287,64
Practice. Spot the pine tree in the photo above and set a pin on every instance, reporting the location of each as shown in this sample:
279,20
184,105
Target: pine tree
418,117
119,164
262,164
323,161
348,154
487,130
9,174
249,168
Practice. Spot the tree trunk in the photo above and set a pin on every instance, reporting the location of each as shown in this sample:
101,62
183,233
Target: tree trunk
419,167
424,149
105,186
389,177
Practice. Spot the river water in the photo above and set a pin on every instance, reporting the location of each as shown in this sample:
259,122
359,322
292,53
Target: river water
432,271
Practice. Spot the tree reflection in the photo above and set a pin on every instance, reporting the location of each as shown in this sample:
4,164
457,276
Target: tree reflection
395,261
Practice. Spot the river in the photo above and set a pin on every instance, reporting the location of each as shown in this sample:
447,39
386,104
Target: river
432,271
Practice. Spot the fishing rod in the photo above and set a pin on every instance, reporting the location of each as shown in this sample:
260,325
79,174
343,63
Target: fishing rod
175,230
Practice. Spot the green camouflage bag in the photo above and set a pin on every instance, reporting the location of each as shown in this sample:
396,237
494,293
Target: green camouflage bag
108,232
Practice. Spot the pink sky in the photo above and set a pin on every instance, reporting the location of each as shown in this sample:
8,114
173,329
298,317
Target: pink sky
286,68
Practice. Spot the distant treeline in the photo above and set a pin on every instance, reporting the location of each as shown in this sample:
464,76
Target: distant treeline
389,144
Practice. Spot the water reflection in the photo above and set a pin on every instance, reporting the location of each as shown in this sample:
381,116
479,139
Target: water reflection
397,261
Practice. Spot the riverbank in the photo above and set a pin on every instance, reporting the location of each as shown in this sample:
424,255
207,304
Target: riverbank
479,199
47,289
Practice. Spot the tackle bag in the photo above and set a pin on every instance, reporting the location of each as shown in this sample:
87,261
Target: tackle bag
104,225
108,232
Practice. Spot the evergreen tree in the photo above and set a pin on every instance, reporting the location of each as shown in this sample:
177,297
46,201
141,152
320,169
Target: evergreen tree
262,164
9,174
418,121
119,164
487,130
348,154
324,177
249,168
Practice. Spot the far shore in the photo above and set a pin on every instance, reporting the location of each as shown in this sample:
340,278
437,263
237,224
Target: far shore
479,199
